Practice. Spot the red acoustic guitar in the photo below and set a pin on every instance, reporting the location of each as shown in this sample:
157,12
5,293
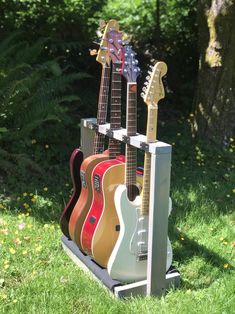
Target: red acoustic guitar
101,223
84,202
101,228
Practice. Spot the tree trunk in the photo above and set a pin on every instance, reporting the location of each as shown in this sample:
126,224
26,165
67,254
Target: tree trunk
214,115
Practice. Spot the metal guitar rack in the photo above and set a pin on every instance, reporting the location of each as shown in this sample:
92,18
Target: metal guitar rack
157,280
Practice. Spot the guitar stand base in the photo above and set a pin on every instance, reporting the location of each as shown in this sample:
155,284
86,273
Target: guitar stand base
116,287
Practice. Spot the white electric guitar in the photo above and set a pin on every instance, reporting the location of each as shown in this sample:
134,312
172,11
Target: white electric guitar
128,261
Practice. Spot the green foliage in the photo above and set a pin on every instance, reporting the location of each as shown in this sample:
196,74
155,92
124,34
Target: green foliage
34,98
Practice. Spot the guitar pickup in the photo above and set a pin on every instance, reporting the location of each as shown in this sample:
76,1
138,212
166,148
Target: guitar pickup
144,146
126,139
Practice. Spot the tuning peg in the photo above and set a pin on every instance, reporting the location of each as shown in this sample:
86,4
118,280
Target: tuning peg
111,50
146,83
102,24
144,89
120,41
150,72
93,52
142,95
136,61
103,48
110,40
148,78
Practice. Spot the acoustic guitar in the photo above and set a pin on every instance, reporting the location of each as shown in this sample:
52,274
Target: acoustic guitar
83,204
101,226
128,261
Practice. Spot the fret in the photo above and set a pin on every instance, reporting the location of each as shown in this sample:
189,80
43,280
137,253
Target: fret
102,108
115,114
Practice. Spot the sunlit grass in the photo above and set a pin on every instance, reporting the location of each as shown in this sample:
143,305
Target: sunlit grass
37,277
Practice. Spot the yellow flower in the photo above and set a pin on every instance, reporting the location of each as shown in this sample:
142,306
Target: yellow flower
46,226
33,200
14,301
221,238
31,194
16,232
6,266
45,188
46,146
38,248
4,296
25,252
226,265
18,199
30,226
233,190
66,184
182,238
33,141
25,194
26,205
225,242
4,231
1,206
17,241
12,250
178,134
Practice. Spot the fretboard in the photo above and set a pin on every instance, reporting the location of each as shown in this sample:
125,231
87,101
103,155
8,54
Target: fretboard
115,114
131,152
102,108
151,135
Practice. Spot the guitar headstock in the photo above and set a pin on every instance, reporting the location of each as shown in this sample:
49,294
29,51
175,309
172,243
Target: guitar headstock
114,39
102,56
130,69
154,89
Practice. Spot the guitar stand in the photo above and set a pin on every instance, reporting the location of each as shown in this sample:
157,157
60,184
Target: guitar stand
157,280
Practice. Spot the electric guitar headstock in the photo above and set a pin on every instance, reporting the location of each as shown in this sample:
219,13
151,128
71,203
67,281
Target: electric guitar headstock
115,47
154,89
130,69
102,56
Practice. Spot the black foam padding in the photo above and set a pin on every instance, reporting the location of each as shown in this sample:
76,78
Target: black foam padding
100,272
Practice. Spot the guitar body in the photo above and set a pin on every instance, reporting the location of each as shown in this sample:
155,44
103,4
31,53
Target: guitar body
83,204
100,230
75,165
128,261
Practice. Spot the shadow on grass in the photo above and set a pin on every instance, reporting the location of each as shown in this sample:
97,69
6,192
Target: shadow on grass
189,249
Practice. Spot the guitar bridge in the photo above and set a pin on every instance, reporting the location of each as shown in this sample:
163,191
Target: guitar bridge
142,257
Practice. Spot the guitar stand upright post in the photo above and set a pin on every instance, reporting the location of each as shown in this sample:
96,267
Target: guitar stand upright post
157,280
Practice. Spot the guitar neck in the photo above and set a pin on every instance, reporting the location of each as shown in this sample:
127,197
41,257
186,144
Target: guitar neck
102,108
131,152
115,114
151,136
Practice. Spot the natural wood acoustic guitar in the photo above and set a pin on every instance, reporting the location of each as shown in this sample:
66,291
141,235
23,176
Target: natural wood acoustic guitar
101,225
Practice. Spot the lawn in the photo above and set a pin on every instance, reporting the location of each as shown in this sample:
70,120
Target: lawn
37,276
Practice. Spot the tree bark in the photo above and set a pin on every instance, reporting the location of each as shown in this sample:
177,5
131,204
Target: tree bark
214,111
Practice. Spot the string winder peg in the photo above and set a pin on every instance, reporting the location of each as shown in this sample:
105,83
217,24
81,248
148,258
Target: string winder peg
93,52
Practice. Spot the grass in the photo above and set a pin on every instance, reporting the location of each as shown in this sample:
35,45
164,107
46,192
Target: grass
37,277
